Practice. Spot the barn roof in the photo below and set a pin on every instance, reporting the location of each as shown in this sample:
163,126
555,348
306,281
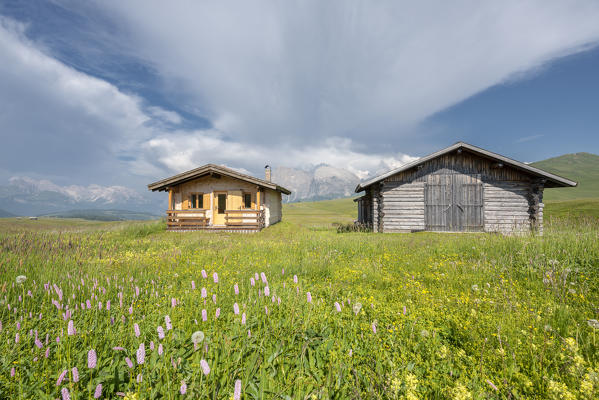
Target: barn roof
555,180
212,169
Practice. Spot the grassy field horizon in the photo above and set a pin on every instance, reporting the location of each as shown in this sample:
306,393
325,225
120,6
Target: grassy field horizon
299,311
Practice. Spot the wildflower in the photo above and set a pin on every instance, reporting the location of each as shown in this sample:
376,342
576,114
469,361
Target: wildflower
374,327
236,289
160,349
215,277
183,388
237,391
98,391
357,307
217,313
309,297
475,288
65,394
38,344
136,328
266,291
21,279
252,282
108,305
243,319
160,332
263,277
204,293
205,367
12,372
167,322
141,354
350,352
193,285
492,385
404,310
266,310
151,345
593,323
17,337
47,354
129,362
249,333
197,337
204,315
337,307
173,302
294,278
91,359
204,275
139,378
214,298
75,374
61,377
236,308
130,310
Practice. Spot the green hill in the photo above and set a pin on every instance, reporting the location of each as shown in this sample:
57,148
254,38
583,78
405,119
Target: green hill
580,167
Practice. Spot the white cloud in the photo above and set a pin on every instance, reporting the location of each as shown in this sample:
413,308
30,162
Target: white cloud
300,72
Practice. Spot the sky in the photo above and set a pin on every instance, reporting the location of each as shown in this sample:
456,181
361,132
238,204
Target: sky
129,92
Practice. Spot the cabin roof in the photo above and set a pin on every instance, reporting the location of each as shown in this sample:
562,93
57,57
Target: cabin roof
555,180
212,169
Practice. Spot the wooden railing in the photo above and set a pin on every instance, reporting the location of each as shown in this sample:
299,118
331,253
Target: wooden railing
251,219
186,219
197,219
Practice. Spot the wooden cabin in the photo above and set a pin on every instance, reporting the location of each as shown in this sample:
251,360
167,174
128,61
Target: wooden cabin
459,188
219,198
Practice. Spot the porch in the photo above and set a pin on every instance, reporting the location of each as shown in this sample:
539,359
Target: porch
198,219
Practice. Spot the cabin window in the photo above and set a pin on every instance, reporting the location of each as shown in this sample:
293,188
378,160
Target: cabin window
196,200
247,200
222,203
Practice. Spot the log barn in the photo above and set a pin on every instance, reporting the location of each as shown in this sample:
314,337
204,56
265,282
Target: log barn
219,198
460,188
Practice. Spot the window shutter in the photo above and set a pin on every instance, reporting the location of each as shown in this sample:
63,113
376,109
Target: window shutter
234,200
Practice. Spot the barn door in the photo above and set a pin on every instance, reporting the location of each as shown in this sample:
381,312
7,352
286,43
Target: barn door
438,200
453,202
468,203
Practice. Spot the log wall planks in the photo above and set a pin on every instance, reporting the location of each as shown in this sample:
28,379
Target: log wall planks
490,197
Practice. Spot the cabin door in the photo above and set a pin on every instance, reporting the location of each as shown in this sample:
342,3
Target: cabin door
453,202
220,206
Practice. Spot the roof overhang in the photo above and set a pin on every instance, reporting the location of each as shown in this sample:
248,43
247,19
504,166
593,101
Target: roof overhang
552,179
212,170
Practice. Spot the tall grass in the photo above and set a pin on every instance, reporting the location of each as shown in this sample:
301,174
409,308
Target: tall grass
440,315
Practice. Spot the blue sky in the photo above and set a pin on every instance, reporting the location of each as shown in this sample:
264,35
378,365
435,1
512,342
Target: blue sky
124,93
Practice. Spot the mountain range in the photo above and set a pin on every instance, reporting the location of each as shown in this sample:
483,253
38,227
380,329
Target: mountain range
30,197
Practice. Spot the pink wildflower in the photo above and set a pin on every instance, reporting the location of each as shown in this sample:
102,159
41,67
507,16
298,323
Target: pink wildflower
12,372
263,276
151,345
204,293
338,307
252,282
217,313
237,391
374,327
91,359
215,277
266,291
65,394
183,389
136,328
204,315
75,374
129,362
235,309
61,377
108,305
47,354
98,391
204,275
173,302
205,367
309,297
243,319
160,349
193,285
167,321
160,332
141,353
236,289
294,278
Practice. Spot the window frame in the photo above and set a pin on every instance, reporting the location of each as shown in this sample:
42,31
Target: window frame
194,205
245,206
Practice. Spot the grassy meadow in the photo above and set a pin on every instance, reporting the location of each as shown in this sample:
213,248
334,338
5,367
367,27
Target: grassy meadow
298,311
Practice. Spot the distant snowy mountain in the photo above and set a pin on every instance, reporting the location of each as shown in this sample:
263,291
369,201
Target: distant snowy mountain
319,183
28,196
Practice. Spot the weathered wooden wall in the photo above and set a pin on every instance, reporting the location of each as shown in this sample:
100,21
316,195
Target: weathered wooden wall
511,199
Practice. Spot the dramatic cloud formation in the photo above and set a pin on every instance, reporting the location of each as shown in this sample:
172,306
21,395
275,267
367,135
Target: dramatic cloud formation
296,83
278,73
